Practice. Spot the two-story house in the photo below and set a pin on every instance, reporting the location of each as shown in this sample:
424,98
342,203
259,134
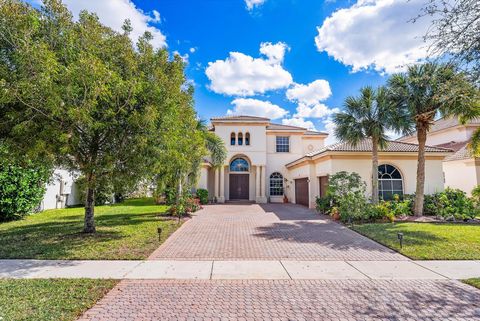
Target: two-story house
267,162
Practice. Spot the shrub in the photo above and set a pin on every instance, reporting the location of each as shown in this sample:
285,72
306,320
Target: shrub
454,203
402,208
202,195
347,192
323,204
21,189
430,205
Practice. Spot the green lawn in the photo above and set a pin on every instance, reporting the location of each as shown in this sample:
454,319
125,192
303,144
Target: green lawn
124,231
50,299
426,241
473,282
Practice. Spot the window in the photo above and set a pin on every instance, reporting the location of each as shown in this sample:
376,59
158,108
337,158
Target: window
232,139
283,144
276,184
240,139
389,182
247,139
239,165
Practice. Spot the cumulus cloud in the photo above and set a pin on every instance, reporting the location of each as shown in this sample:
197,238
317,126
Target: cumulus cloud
310,94
255,107
113,13
299,122
330,129
253,3
315,111
375,34
243,75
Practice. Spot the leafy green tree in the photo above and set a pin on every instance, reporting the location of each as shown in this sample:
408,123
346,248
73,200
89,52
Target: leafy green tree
369,116
83,95
425,91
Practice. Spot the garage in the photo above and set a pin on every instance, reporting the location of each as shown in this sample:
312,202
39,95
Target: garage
301,191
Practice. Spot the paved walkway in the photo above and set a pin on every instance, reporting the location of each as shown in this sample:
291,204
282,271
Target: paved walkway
288,300
268,232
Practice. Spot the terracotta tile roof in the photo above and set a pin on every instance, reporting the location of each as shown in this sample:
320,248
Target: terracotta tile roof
462,153
366,146
240,118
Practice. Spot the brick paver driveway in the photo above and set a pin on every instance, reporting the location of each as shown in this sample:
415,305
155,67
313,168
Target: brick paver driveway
288,300
266,232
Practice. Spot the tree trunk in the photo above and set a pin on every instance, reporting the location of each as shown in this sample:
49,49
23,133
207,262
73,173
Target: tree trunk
374,170
89,222
420,191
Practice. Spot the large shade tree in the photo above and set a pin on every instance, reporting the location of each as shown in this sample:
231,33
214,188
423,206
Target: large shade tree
85,97
369,115
425,91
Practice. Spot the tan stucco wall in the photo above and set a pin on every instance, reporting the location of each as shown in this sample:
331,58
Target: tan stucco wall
454,134
462,174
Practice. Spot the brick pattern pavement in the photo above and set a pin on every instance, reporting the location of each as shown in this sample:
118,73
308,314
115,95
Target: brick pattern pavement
267,232
287,300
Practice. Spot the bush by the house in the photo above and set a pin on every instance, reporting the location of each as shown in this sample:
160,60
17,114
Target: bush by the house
323,204
455,204
202,194
21,189
187,204
380,212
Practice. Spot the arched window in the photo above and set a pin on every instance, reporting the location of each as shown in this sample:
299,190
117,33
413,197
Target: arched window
389,182
232,139
276,184
239,165
247,139
240,139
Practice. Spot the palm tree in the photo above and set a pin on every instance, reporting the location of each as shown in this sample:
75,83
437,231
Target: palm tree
213,144
369,116
475,143
425,91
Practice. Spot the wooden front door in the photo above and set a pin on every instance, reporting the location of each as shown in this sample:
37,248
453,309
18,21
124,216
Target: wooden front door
301,191
239,186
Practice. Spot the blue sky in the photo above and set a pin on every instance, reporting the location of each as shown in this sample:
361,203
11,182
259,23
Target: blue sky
314,53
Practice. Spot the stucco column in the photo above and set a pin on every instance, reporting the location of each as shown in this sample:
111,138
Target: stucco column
221,197
216,192
257,182
262,198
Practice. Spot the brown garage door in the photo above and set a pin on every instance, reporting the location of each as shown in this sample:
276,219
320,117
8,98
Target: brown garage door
301,191
239,186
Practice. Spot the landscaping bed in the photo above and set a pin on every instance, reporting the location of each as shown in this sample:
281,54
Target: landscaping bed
50,299
125,231
427,241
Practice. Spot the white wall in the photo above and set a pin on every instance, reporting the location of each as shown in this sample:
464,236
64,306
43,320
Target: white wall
459,134
55,197
462,174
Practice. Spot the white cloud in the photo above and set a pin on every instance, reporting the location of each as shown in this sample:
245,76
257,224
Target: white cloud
193,49
243,75
330,128
314,111
299,122
113,13
375,34
310,94
255,107
254,3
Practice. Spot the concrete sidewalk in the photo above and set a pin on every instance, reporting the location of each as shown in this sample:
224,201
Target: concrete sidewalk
242,270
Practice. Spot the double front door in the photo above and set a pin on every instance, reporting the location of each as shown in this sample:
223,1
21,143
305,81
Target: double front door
239,186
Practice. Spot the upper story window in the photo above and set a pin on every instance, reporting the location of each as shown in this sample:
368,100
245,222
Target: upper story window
283,144
240,139
232,139
247,139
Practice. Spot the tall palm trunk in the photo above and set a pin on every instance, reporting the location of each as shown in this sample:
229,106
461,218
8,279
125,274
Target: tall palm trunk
374,170
420,191
89,222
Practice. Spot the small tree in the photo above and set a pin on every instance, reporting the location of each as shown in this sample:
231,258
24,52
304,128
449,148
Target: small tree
423,92
347,191
369,116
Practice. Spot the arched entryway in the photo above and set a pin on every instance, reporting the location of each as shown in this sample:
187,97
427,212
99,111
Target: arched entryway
239,179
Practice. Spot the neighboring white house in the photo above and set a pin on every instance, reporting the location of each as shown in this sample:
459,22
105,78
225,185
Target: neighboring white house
267,161
461,169
62,191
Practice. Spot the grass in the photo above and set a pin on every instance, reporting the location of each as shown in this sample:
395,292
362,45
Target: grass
124,231
473,282
426,241
50,299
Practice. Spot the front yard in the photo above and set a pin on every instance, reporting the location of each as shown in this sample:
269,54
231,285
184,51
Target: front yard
124,231
51,299
427,241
